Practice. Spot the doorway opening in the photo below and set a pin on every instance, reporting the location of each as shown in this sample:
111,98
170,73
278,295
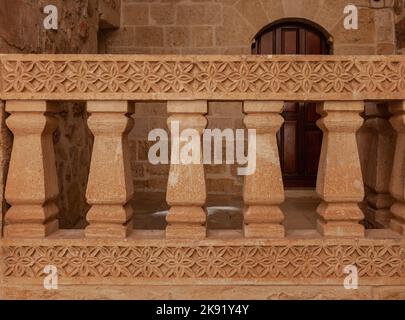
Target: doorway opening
299,139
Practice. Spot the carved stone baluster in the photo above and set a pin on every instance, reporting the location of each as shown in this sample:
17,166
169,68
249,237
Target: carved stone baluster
263,190
186,192
32,184
379,164
110,185
397,183
340,182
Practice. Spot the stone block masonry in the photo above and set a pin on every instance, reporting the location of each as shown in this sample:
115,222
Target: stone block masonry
229,26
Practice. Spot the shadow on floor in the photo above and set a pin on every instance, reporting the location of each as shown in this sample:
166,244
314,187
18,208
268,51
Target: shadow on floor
226,212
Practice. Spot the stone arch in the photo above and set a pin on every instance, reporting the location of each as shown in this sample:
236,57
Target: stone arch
328,16
304,21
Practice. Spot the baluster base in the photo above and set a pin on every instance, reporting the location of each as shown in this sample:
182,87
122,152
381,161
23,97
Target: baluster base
31,221
113,222
340,220
263,222
186,222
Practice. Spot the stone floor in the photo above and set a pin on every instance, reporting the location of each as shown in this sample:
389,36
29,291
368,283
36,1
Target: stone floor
226,212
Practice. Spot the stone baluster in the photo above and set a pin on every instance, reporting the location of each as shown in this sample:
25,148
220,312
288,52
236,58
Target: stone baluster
397,183
186,191
32,184
379,165
263,190
340,183
110,185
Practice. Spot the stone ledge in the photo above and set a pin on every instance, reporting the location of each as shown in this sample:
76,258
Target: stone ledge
198,292
185,77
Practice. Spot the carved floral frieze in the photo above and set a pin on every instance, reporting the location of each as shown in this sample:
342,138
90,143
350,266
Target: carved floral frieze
198,77
216,262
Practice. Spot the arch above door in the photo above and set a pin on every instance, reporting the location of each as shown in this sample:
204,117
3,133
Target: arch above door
277,37
299,139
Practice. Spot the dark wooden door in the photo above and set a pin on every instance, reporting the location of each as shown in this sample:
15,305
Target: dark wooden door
299,139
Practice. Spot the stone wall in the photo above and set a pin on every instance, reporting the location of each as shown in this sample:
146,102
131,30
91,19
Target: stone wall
229,26
21,27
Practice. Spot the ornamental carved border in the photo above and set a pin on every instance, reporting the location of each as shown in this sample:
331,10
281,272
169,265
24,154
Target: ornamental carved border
202,77
207,262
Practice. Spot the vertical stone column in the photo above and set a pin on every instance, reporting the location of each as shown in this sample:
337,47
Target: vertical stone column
32,184
263,190
110,185
340,183
379,165
186,192
397,183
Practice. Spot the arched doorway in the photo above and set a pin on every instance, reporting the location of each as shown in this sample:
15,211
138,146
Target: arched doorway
299,139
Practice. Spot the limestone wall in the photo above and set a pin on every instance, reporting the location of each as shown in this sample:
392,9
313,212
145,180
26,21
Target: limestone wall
228,26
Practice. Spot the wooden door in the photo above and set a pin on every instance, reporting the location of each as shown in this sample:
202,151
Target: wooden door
299,139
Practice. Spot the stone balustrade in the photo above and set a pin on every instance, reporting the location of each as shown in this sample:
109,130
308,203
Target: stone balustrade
31,85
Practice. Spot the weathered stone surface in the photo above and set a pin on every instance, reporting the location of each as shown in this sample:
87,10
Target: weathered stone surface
21,27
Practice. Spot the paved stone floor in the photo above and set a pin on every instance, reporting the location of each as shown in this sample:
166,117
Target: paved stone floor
226,212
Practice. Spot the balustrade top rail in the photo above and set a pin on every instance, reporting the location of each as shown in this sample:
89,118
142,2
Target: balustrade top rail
185,77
